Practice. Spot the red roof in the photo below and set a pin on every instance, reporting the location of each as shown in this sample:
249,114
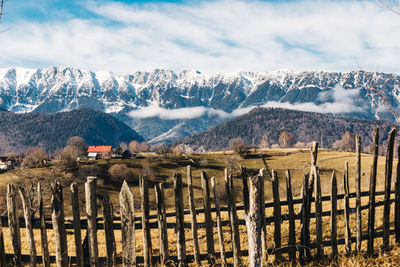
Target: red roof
100,149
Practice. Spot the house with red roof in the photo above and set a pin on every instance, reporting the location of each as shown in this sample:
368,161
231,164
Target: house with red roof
95,152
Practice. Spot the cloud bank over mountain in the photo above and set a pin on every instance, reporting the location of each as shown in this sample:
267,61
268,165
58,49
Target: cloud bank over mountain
338,101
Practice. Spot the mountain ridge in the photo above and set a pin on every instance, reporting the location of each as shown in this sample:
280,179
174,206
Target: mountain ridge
58,89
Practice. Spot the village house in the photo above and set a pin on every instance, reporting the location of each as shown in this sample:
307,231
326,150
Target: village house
7,163
95,152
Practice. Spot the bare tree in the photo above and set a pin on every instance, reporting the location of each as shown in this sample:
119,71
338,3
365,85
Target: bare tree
238,146
392,5
265,141
1,9
35,157
285,139
79,145
119,173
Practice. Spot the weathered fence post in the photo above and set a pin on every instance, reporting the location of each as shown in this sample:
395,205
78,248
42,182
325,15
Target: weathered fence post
180,220
245,189
358,194
3,259
162,223
277,213
305,221
233,220
347,232
144,198
334,242
91,211
26,205
196,249
219,224
372,189
318,212
208,218
314,153
60,235
253,222
388,180
263,173
127,210
109,231
13,224
77,224
43,232
292,225
397,203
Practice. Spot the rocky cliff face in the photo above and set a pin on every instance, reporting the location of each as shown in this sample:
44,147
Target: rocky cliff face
221,95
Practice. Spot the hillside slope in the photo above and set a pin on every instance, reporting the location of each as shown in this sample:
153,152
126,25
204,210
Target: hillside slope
51,131
305,127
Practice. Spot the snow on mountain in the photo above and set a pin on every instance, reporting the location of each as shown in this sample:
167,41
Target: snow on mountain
58,89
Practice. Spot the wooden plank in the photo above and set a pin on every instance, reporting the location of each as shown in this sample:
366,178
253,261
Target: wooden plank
219,225
162,223
180,220
196,248
358,194
127,210
277,213
347,232
60,235
107,208
263,174
208,218
77,224
388,180
245,189
26,206
144,199
43,232
314,153
13,224
397,200
292,224
3,259
233,222
372,191
318,212
334,216
91,212
305,222
253,222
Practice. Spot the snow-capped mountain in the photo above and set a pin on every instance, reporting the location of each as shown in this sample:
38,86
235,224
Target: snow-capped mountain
220,95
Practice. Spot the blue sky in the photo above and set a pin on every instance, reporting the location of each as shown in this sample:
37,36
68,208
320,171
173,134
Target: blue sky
210,36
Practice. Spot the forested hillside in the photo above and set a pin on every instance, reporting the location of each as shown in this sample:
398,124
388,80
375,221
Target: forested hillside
304,126
51,131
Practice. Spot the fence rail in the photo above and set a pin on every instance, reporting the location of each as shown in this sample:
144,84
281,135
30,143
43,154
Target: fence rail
254,219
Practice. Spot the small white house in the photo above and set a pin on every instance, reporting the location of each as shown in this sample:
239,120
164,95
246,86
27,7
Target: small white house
92,156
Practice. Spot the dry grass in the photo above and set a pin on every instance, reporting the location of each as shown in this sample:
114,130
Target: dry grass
214,164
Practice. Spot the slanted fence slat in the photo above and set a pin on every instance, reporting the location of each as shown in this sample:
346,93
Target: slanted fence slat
372,193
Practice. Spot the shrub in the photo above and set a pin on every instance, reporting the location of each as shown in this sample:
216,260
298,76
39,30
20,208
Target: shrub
119,173
34,157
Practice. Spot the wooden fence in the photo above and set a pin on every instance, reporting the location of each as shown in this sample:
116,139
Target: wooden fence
297,249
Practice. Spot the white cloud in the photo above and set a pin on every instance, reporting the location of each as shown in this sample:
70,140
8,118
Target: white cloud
184,113
212,36
341,101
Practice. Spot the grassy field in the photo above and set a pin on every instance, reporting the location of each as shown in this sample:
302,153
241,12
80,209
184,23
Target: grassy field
162,169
